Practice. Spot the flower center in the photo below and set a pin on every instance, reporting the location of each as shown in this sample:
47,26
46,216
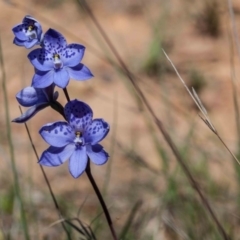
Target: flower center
79,141
31,32
57,61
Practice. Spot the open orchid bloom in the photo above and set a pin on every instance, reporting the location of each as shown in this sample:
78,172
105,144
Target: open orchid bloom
28,33
57,62
76,140
36,99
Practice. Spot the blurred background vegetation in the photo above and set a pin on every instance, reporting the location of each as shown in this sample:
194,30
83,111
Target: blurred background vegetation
147,193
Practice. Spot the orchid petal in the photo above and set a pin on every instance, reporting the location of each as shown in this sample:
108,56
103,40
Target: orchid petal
41,59
18,42
20,32
30,113
72,55
54,156
96,131
78,114
97,154
61,78
80,72
42,79
78,162
54,41
30,43
30,96
57,134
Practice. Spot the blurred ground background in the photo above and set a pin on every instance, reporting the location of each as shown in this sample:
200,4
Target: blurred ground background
141,170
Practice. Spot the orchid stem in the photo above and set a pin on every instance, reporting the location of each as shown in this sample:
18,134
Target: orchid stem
58,107
100,198
66,94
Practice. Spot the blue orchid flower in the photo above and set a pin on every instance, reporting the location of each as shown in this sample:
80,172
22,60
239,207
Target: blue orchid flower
28,33
76,140
36,99
57,62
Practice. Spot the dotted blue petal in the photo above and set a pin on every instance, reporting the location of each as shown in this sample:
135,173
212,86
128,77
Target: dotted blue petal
54,41
80,72
58,134
61,78
54,156
72,55
96,131
97,154
20,32
41,59
30,113
30,96
78,114
42,79
78,162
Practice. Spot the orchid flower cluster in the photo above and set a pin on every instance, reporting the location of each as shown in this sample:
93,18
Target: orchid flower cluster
55,62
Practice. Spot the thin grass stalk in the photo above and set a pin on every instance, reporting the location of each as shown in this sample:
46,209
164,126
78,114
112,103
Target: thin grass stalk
11,149
158,146
236,105
159,125
46,180
234,88
130,219
200,106
234,27
96,189
113,143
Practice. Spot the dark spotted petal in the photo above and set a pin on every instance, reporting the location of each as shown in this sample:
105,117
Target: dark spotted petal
41,59
58,134
97,154
54,41
96,131
30,96
20,32
78,162
78,114
80,72
72,55
54,156
30,113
